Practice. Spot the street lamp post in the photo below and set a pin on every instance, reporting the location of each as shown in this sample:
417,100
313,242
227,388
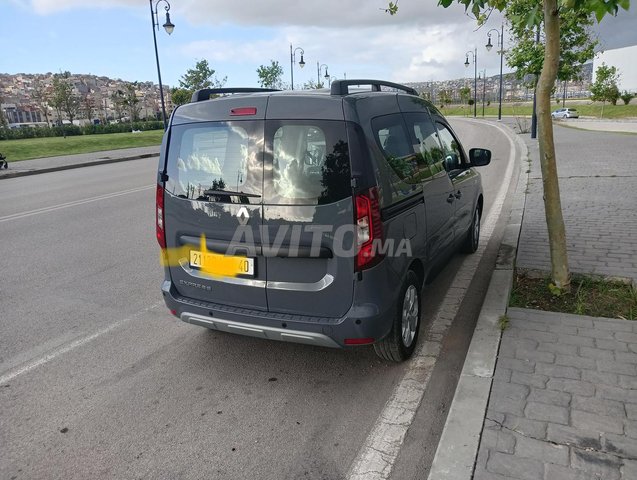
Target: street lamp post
484,88
318,73
474,54
534,115
489,46
169,27
293,61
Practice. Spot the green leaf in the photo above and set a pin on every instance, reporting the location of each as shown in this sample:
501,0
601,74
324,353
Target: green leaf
555,290
625,4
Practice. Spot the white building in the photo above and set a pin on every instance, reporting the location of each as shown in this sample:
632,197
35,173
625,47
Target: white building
624,60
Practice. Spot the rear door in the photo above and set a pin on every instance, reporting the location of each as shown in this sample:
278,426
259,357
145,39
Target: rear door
438,188
214,195
308,218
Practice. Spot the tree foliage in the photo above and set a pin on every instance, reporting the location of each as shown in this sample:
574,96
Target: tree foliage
117,100
63,98
201,76
604,88
312,85
465,95
271,76
40,95
577,43
130,100
626,97
180,96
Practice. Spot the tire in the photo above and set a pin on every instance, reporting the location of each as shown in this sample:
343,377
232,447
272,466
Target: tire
470,244
401,342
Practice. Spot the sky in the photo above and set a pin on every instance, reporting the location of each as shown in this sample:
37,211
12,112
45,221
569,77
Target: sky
354,38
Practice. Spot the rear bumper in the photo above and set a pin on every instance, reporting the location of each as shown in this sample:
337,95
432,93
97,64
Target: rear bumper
361,321
259,331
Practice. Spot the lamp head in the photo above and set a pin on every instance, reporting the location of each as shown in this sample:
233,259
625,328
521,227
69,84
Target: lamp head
302,62
489,45
466,62
168,26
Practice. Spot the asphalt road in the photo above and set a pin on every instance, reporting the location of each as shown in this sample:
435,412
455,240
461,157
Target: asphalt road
98,380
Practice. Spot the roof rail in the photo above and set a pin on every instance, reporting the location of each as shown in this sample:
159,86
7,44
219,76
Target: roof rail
206,93
341,87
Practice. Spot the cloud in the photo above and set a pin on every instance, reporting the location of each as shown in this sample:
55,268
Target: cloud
327,13
46,7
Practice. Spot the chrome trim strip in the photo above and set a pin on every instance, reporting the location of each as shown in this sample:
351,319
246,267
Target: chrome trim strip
259,331
317,286
322,284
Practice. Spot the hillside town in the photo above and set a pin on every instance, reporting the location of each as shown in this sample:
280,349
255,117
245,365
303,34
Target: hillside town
24,98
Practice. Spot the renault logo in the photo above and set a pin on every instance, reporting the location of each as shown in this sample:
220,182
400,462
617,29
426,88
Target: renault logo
243,215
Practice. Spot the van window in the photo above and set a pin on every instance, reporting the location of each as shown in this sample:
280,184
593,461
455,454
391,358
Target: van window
399,169
207,159
426,143
310,162
454,156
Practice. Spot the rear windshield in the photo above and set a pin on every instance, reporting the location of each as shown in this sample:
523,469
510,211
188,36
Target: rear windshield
310,162
206,160
306,162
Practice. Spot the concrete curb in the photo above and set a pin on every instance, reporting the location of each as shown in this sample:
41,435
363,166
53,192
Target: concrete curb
25,173
458,447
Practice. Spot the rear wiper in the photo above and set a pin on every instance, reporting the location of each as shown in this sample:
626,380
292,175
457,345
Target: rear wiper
229,192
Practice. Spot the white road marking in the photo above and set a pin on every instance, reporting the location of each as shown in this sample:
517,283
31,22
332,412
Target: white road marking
74,203
71,346
375,459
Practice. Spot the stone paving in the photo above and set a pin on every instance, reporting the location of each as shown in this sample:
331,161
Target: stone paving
563,404
598,186
564,400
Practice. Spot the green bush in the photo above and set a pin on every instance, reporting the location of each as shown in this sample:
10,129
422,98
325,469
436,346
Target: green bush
71,130
627,97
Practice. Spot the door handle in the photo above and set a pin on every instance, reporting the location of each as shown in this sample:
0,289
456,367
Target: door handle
451,198
458,195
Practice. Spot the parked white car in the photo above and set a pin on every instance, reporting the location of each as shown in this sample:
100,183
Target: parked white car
565,113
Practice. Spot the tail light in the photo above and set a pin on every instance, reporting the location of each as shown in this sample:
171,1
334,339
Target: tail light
369,229
159,217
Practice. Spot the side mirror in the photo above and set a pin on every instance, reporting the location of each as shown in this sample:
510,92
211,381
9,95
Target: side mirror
480,157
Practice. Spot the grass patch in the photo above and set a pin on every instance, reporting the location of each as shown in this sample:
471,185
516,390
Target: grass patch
588,296
589,109
28,148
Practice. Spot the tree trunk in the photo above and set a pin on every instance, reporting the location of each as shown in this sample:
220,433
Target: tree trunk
552,204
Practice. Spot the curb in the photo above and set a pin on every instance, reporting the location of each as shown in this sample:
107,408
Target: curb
457,450
25,173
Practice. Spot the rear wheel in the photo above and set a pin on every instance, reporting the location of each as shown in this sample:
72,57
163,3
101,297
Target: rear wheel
472,239
401,341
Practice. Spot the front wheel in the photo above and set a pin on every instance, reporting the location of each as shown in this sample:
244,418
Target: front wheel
401,341
472,239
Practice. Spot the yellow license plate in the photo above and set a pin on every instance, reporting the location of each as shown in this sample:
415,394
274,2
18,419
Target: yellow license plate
221,265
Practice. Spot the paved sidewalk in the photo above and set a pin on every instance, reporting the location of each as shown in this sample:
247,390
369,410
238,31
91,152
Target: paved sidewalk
620,125
51,164
598,187
563,403
563,399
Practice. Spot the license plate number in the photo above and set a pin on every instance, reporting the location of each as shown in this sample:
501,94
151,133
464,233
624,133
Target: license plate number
222,265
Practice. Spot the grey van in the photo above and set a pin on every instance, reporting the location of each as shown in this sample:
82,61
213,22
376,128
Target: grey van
312,216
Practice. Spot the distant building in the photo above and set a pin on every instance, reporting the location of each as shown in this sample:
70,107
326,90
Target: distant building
18,114
624,60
